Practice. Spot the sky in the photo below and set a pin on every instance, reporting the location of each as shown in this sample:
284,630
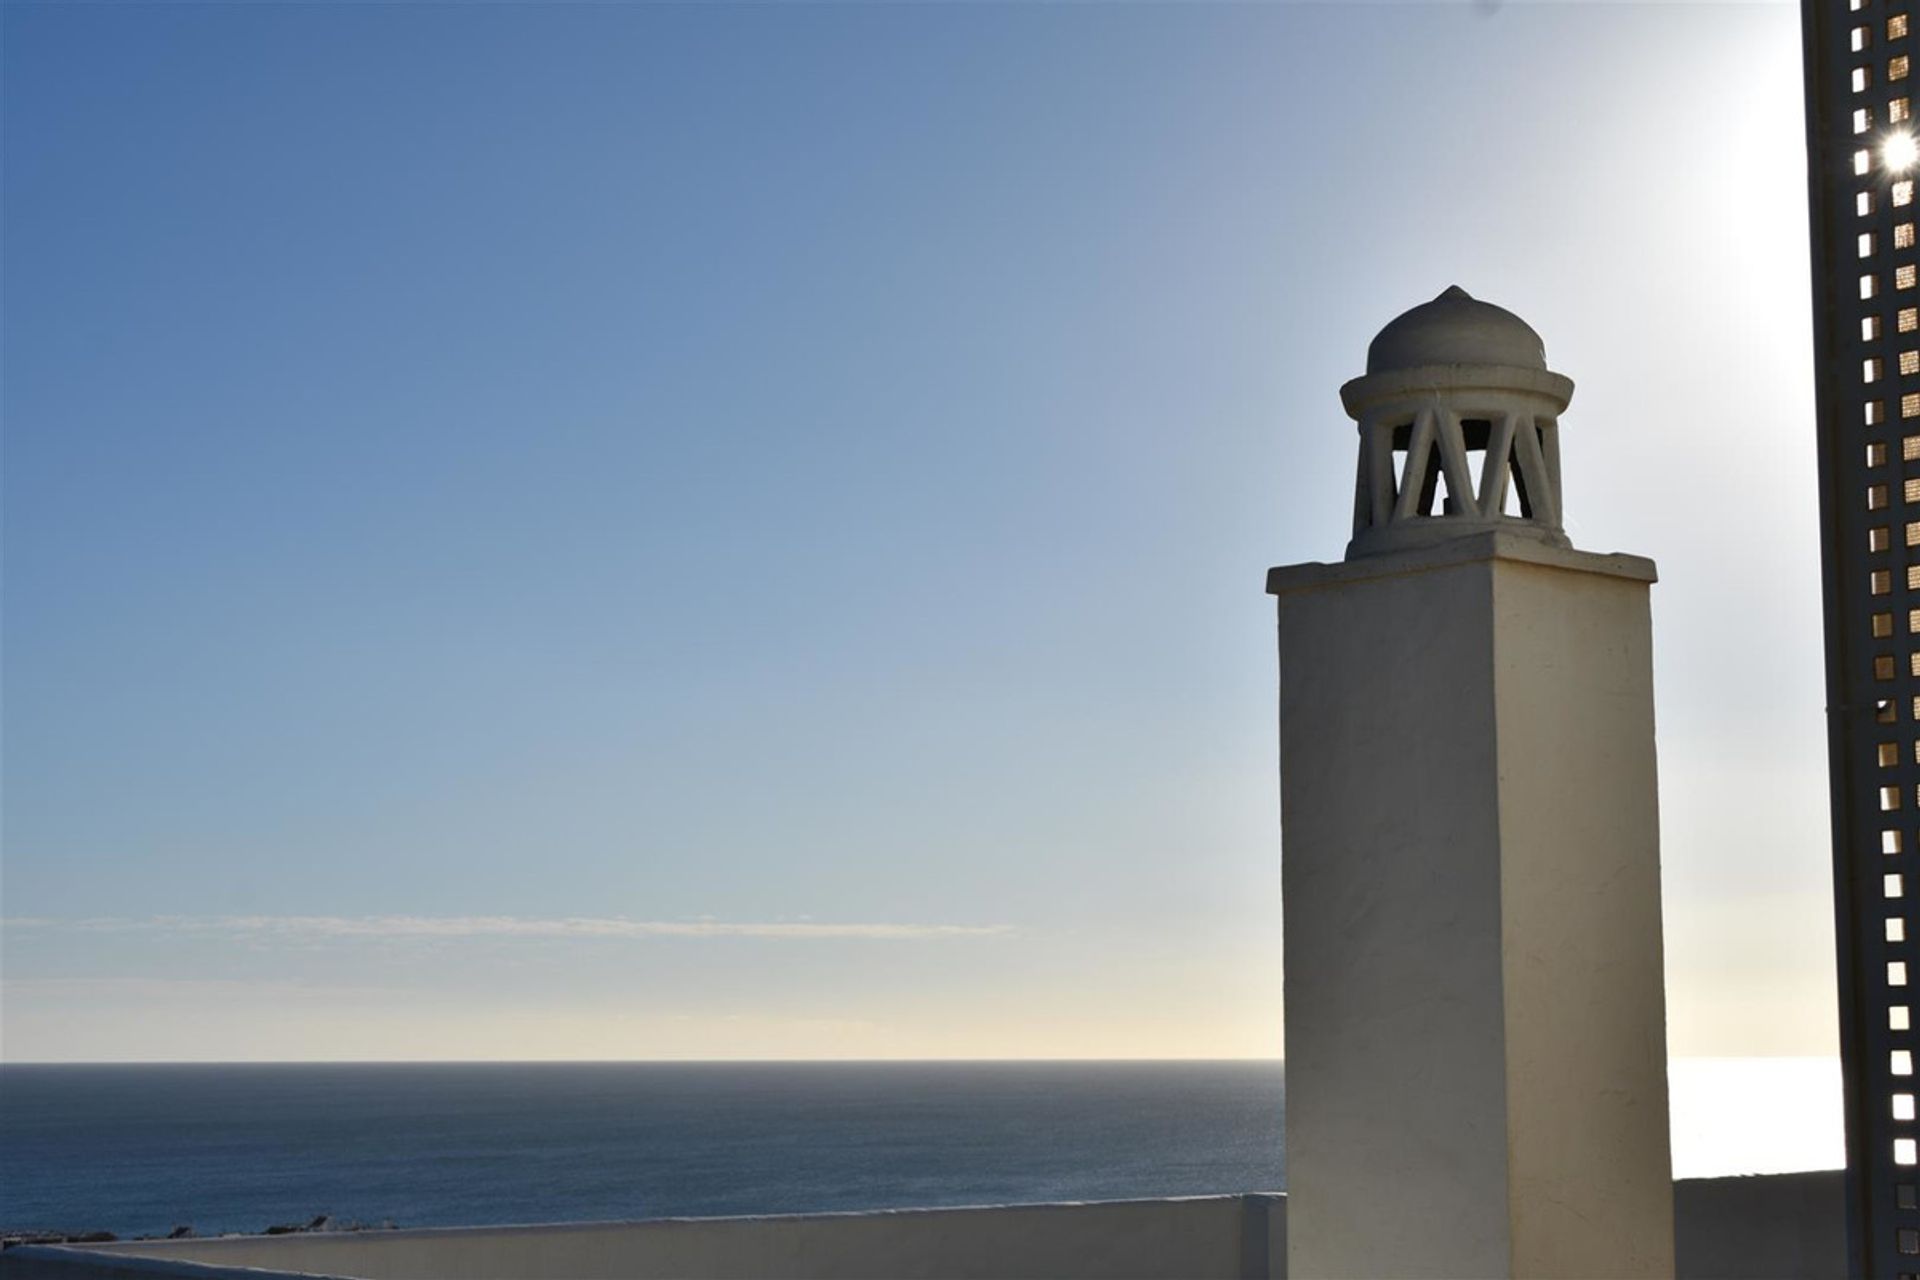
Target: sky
739,530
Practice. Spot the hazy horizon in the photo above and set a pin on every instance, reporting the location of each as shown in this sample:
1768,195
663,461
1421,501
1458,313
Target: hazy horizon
1714,1103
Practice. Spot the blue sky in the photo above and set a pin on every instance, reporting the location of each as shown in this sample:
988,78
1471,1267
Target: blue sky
738,530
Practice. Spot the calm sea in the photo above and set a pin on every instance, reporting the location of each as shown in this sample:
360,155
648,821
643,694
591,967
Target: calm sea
139,1150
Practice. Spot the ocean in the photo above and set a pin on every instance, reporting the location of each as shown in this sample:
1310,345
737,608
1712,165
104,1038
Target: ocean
140,1150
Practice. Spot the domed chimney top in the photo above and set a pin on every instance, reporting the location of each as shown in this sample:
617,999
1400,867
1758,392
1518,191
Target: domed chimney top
1459,421
1456,328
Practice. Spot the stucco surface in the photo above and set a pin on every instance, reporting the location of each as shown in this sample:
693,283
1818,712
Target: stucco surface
1582,954
1390,878
1476,1072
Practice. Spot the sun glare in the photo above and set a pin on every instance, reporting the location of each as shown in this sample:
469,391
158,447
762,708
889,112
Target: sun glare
1899,152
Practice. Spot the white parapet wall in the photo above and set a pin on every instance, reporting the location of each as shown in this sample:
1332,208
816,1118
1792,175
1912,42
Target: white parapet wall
1758,1228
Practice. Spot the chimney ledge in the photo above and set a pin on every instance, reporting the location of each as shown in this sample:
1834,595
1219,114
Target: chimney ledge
1465,549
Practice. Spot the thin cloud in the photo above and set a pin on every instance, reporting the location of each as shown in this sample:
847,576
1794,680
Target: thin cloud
323,928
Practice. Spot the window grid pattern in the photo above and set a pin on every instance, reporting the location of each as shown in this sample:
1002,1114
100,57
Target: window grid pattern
1866,278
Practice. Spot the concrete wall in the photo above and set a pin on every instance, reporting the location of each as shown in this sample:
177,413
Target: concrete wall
1779,1226
1470,878
1582,978
1772,1227
1396,1139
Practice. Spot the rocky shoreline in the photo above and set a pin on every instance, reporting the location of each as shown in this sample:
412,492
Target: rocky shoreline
323,1223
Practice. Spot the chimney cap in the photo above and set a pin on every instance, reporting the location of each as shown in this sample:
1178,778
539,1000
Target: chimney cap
1456,328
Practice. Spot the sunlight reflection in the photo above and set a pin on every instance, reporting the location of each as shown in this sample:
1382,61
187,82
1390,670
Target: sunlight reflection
1899,151
1754,1115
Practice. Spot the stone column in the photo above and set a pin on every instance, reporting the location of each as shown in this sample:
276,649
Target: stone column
1475,1015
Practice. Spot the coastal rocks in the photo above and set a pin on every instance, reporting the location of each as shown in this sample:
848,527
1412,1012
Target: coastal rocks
8,1239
